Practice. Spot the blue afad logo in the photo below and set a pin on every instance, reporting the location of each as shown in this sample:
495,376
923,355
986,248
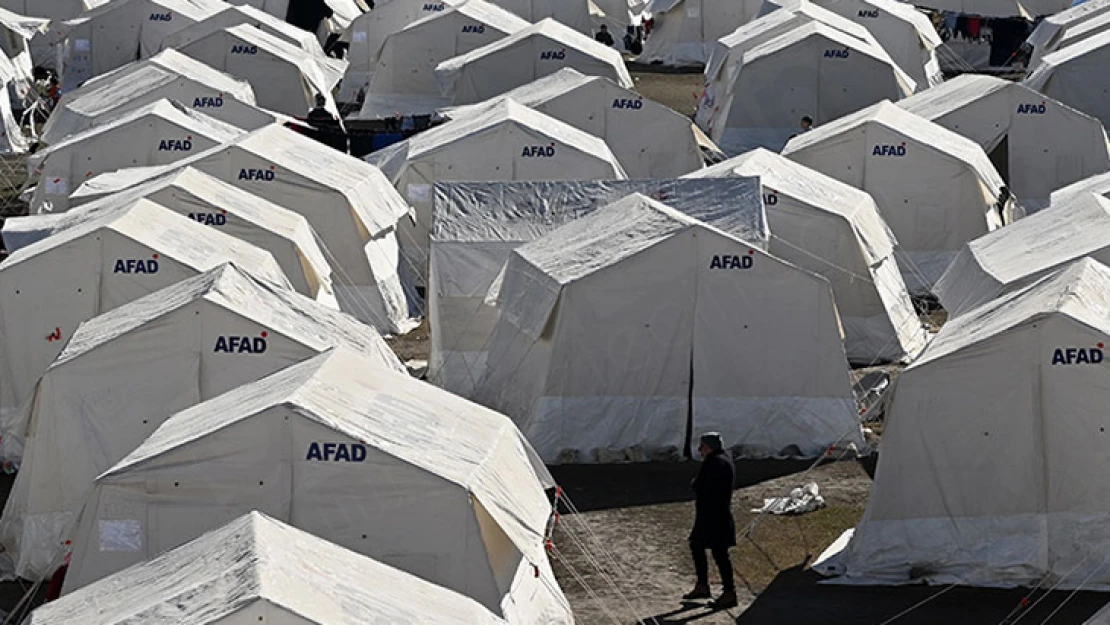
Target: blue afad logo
136,265
336,452
210,219
869,13
626,103
889,150
538,151
428,8
474,28
1031,109
1077,355
161,17
836,54
257,174
732,261
241,344
175,145
208,103
242,49
547,55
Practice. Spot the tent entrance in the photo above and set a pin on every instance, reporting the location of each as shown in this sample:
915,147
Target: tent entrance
1000,158
686,453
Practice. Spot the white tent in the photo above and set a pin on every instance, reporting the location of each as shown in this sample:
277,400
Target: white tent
935,189
813,70
259,570
12,140
622,330
285,78
649,139
155,134
121,31
50,9
1099,184
202,198
126,371
48,288
905,33
835,231
685,30
1037,144
1075,76
1072,227
166,75
476,227
16,32
507,141
368,33
728,51
343,12
1046,36
352,207
340,448
403,75
1027,9
572,13
994,464
531,53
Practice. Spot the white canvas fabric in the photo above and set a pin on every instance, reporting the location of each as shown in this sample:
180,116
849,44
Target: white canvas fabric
1074,226
993,447
343,13
649,139
42,45
572,13
813,70
685,30
1028,9
159,133
121,31
1074,76
211,202
476,226
531,53
285,78
258,569
905,33
125,372
1046,36
52,286
403,76
834,230
728,51
1042,144
352,207
507,141
935,189
309,434
369,31
613,324
1099,185
16,33
167,75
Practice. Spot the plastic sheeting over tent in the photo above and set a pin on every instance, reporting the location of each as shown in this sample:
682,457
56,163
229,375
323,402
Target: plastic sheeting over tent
507,141
167,75
618,332
122,31
1046,36
572,13
285,78
125,372
994,449
685,30
531,53
350,205
202,198
156,134
1015,256
935,189
835,231
404,77
811,71
1076,76
261,570
905,33
649,139
50,287
309,434
1038,144
477,225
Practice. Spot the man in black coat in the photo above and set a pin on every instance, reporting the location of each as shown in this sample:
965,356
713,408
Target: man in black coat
714,528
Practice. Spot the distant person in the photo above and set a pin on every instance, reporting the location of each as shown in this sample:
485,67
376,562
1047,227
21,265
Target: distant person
806,124
320,113
603,36
714,527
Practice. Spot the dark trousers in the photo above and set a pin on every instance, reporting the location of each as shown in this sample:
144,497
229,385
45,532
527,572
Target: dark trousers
724,565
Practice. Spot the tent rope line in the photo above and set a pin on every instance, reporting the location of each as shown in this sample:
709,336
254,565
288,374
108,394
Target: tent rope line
1047,593
584,584
1074,591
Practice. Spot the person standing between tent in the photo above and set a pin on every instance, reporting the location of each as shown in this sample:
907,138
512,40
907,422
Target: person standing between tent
320,112
603,36
806,124
714,527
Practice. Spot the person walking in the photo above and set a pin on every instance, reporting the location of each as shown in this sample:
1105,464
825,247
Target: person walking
714,528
